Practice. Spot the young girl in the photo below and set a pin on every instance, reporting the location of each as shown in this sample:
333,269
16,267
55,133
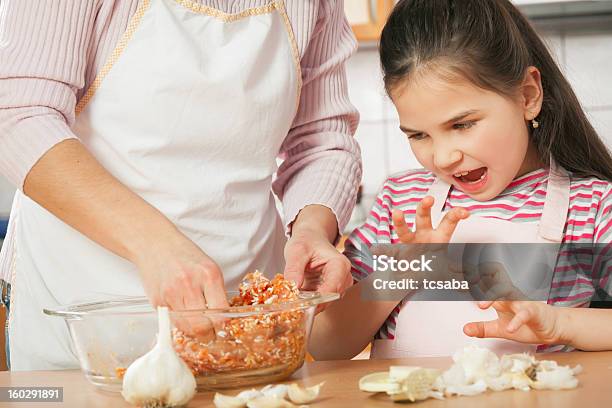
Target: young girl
509,157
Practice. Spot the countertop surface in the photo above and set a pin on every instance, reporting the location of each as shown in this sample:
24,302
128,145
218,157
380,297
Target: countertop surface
341,386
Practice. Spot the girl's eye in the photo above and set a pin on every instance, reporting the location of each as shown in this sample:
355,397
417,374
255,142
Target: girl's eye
464,125
416,136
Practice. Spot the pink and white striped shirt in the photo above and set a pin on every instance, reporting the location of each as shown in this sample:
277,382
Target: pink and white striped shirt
589,221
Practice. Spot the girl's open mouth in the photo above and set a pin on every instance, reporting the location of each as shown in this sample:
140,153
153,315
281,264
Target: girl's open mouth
473,180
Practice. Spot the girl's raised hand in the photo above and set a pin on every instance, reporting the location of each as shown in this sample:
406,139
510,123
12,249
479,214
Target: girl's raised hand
425,233
523,321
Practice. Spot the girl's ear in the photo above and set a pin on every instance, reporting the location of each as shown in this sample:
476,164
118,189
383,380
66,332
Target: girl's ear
531,94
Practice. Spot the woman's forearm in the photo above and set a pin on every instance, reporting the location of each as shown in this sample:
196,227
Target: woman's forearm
348,325
317,218
586,329
70,183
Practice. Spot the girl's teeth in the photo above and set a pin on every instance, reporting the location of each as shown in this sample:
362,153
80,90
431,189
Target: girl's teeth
476,181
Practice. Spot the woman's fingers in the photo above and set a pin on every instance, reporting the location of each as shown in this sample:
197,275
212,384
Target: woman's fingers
335,275
423,214
404,233
297,257
448,224
214,287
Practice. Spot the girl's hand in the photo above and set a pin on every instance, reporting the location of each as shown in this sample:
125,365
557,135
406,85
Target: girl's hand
424,240
425,233
522,321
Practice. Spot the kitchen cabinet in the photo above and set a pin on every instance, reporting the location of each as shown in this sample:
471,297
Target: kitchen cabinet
368,17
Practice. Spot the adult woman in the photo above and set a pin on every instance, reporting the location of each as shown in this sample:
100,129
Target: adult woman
163,177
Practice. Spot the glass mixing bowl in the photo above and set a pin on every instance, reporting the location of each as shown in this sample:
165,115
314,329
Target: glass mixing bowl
225,348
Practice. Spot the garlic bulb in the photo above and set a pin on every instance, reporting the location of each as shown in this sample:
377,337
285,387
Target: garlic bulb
159,378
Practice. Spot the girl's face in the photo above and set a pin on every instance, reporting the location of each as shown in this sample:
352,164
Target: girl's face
474,139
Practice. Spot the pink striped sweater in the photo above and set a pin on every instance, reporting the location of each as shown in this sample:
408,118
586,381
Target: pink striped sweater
589,220
51,51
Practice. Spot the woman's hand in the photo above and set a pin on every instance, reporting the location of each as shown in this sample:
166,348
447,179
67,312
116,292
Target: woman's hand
178,274
71,184
425,233
522,321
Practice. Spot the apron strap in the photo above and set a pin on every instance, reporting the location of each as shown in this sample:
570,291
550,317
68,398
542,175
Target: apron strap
439,191
554,215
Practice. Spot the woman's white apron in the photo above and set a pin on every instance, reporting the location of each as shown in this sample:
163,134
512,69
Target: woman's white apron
189,113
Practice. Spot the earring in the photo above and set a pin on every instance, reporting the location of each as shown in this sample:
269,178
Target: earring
535,124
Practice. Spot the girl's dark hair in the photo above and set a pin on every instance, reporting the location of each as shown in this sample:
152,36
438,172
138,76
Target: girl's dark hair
490,43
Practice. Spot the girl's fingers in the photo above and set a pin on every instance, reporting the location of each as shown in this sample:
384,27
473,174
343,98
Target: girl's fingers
519,319
449,222
423,214
483,329
502,305
485,304
404,233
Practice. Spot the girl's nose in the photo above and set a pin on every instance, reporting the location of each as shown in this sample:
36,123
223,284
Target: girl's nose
446,157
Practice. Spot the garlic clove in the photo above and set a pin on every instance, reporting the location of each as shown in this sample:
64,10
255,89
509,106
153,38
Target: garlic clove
301,395
454,376
378,382
249,394
276,390
269,402
436,395
561,378
501,383
227,401
417,385
400,373
159,377
478,363
473,389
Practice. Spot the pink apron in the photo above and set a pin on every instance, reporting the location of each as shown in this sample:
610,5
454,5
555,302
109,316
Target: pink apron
435,328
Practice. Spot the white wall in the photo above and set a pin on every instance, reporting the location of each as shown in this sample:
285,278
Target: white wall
585,58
